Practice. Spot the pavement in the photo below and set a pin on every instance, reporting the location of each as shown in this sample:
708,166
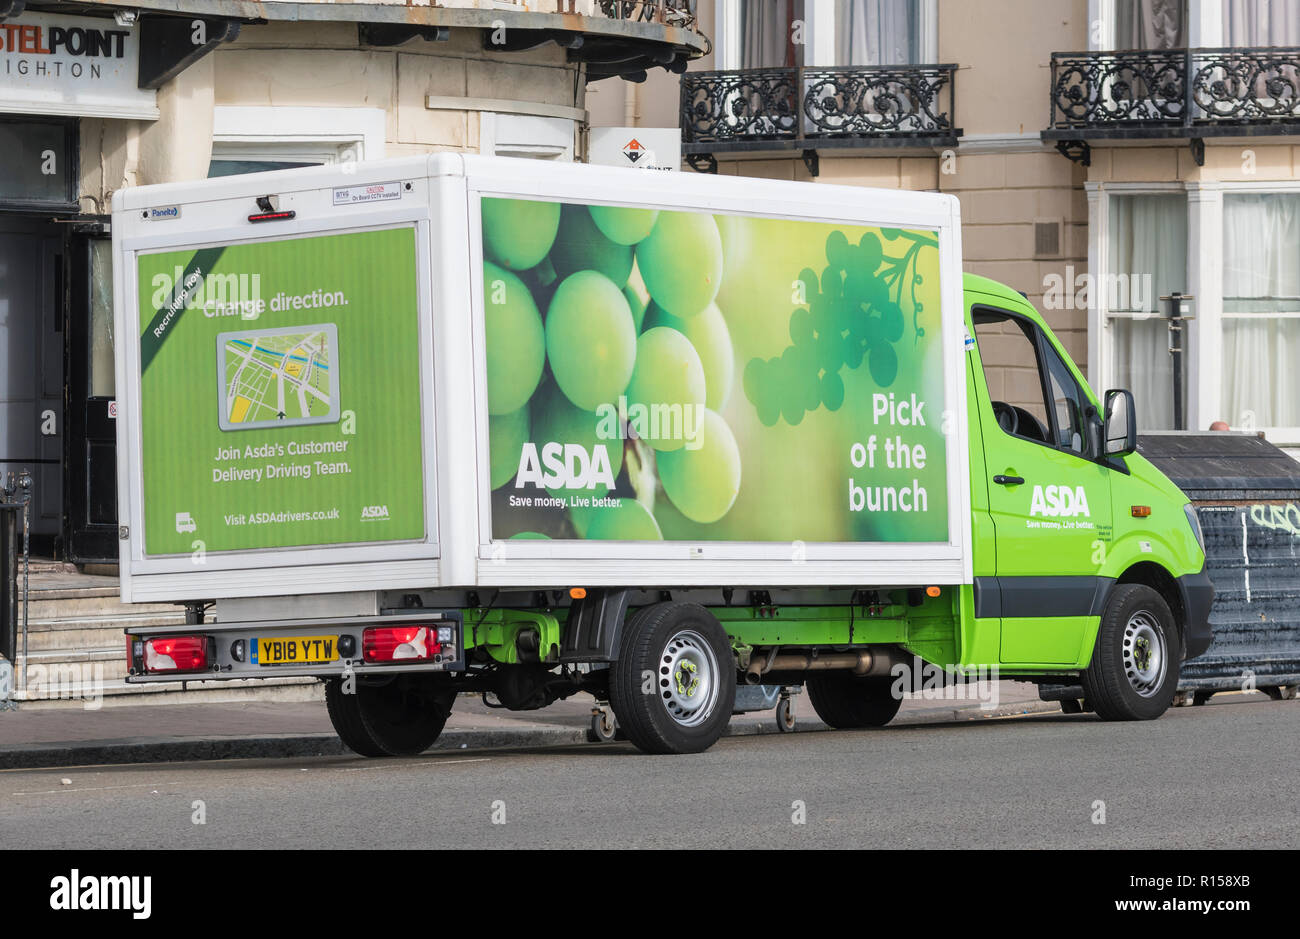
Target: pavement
150,733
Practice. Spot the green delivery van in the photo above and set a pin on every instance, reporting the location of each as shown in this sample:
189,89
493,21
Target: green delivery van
449,424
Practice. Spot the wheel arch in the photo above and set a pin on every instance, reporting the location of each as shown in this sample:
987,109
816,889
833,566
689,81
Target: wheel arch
1155,576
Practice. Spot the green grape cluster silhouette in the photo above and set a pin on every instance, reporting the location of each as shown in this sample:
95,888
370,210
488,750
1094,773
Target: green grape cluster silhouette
853,314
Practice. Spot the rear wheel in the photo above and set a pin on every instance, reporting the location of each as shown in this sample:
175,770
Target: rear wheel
674,684
399,716
844,701
1133,675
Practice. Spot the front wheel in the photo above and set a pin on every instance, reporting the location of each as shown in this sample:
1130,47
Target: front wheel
1133,675
398,716
674,684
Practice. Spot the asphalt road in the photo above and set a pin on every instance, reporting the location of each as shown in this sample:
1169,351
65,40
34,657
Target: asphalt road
1220,776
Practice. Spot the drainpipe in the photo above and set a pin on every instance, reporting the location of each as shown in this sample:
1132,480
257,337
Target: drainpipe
630,115
131,163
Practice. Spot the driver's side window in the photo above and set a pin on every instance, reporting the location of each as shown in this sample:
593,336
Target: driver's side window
1009,352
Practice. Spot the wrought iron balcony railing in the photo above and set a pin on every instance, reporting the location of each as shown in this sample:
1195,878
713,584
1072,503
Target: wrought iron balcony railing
673,12
1176,92
812,108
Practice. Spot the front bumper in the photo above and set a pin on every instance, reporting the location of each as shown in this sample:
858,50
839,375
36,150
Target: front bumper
1197,591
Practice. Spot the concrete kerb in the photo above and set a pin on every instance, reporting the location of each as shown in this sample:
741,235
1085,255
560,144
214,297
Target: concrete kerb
282,746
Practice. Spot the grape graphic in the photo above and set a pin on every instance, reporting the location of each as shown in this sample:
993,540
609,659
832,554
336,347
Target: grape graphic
581,246
703,482
507,433
590,339
542,281
854,315
637,305
596,317
708,332
630,521
624,226
518,233
668,373
681,262
517,338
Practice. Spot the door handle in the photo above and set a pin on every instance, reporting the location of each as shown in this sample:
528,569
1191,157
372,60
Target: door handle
1009,480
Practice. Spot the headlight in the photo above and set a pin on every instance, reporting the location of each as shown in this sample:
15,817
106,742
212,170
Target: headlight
1190,511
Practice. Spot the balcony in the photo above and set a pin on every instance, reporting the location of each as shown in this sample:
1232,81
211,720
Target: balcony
670,12
1174,93
812,109
610,37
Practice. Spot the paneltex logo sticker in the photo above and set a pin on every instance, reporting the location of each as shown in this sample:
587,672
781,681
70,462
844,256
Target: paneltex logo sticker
374,513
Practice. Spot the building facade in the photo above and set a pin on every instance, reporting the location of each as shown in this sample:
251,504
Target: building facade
1107,154
98,96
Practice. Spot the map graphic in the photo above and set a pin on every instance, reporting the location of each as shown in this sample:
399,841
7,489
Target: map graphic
278,377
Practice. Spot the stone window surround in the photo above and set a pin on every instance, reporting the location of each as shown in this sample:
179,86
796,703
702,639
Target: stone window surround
819,43
1204,24
1204,342
294,134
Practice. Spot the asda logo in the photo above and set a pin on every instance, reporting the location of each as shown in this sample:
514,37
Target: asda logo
374,513
564,466
1059,502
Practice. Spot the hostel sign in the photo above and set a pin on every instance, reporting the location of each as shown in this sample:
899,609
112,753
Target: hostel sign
74,65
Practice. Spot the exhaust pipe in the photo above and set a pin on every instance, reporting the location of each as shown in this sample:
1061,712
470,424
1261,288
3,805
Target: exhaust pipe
859,662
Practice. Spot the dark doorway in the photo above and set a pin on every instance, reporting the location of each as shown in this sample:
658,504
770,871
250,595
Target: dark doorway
91,461
31,366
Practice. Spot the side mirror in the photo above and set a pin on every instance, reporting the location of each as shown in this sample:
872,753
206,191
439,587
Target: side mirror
1119,432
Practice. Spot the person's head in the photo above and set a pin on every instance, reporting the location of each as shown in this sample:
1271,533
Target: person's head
1220,425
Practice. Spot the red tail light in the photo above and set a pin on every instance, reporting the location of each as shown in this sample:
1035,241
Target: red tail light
400,643
176,654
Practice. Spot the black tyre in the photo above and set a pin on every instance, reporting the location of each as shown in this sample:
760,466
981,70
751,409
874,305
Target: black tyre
402,716
1133,675
674,684
845,702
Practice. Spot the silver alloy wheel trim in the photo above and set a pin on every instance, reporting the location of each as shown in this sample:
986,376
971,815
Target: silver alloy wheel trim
688,678
1146,657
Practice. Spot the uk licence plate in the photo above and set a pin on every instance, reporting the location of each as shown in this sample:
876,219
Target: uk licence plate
295,650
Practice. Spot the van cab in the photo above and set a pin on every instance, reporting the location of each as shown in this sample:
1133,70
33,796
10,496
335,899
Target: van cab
1083,551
